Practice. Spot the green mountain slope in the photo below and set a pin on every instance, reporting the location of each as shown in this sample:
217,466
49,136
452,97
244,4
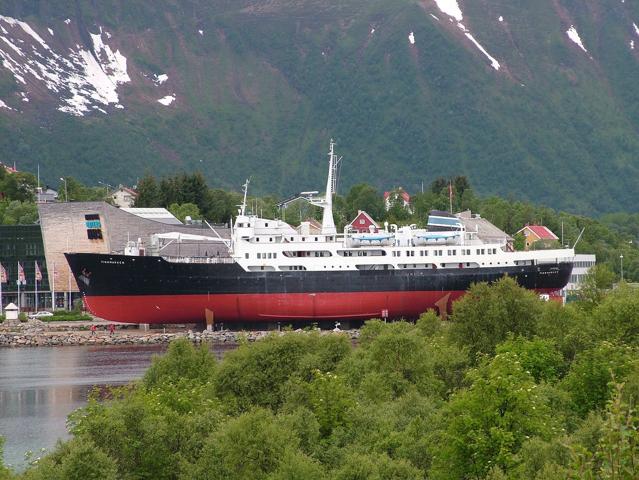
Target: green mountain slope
261,86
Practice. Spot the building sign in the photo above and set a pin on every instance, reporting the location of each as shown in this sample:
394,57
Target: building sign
94,226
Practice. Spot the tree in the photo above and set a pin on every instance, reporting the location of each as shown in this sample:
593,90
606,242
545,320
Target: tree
487,423
78,192
249,447
376,467
5,474
185,210
537,356
18,213
221,206
148,193
617,452
19,186
519,242
75,460
364,197
588,381
595,286
616,318
487,313
182,361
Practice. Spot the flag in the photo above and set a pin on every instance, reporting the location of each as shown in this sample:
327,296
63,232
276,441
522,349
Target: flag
3,274
21,277
38,273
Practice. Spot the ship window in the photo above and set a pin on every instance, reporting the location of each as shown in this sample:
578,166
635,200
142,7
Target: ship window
259,255
275,255
266,224
257,239
316,239
270,239
246,255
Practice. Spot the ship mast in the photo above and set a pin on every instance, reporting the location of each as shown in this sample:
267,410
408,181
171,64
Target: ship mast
245,188
328,223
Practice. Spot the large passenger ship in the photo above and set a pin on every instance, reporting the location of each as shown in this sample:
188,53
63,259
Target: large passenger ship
275,273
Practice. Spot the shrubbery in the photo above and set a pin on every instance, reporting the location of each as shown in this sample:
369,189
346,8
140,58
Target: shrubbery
511,388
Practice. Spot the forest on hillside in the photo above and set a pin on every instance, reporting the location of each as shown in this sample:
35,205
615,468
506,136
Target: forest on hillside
260,88
509,387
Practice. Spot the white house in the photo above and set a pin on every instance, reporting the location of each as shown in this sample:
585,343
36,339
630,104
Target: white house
124,197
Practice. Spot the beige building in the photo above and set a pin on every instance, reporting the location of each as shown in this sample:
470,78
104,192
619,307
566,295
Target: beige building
97,227
124,197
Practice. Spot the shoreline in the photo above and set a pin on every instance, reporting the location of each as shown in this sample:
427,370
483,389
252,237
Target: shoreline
35,333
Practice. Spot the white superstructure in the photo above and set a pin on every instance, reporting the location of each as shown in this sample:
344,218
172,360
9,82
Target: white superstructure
261,244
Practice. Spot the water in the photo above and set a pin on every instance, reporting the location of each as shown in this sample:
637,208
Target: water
40,386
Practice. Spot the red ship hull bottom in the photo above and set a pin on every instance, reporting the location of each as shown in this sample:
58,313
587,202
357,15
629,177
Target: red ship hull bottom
266,307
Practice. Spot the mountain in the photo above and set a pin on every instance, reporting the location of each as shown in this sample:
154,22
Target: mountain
538,99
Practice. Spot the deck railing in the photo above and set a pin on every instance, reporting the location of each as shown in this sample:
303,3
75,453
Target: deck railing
176,259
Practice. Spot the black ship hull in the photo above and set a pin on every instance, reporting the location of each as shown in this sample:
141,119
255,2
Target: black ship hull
140,289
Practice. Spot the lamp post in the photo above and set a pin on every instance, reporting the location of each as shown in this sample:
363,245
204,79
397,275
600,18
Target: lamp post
66,192
621,260
106,187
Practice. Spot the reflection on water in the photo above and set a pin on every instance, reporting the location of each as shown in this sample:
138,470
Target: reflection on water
40,386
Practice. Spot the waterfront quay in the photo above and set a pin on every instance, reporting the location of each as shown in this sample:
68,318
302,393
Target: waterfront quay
36,333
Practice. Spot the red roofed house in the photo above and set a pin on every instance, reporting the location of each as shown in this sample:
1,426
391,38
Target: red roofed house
400,196
537,233
8,168
363,223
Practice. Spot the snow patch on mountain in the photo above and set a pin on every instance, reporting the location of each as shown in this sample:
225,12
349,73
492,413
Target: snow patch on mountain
160,79
493,61
574,36
4,105
501,19
82,80
632,44
113,63
411,38
168,100
451,8
50,31
636,28
14,23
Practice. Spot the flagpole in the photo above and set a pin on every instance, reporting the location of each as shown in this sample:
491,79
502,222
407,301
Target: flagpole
53,289
0,289
35,273
18,281
450,196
